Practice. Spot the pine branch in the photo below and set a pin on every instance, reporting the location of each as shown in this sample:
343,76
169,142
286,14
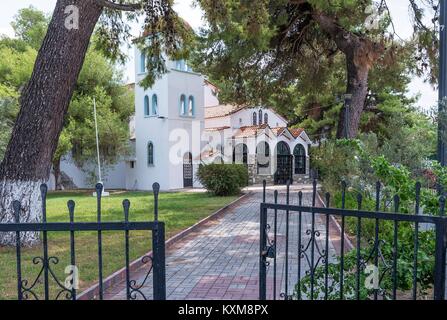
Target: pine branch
120,6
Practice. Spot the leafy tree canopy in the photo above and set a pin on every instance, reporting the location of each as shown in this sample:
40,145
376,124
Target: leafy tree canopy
262,52
30,25
99,78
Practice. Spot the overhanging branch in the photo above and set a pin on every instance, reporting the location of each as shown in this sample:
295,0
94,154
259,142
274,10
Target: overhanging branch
119,6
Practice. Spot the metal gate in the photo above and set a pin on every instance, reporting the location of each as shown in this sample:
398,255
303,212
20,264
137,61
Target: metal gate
305,253
187,170
39,287
283,172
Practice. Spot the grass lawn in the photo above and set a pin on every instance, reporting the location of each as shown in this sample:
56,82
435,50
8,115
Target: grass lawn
177,210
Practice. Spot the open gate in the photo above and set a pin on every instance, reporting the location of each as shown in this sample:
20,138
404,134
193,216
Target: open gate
303,256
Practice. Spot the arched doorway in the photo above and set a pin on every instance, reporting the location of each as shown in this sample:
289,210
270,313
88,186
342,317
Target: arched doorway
240,154
263,158
299,154
187,170
283,164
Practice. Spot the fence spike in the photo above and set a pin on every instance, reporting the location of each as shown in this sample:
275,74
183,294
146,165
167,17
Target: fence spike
43,197
442,206
43,190
126,206
314,192
328,199
99,187
16,207
264,185
343,194
359,201
71,208
300,197
418,197
275,195
396,200
378,185
156,190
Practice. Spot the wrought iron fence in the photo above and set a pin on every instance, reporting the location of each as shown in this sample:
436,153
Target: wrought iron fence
154,262
307,251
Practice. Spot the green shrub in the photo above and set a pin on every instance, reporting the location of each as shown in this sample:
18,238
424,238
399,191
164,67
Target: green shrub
223,179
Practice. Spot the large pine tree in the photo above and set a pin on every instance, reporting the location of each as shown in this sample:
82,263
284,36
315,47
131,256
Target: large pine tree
254,49
45,98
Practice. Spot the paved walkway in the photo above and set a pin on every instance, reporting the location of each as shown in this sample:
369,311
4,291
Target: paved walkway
221,260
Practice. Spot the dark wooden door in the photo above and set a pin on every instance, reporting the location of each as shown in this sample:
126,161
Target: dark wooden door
187,170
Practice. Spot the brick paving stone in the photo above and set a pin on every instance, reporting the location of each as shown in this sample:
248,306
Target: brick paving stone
220,261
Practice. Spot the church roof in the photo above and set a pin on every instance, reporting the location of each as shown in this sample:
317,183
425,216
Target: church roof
296,132
250,131
221,110
278,130
217,128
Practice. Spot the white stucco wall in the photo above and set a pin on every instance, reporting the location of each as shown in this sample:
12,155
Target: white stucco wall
209,96
171,132
246,115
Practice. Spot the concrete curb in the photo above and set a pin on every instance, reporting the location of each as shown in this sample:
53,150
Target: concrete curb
119,276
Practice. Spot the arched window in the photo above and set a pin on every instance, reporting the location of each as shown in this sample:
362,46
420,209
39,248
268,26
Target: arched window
260,117
255,119
154,104
142,63
150,154
282,149
240,153
146,106
183,104
300,159
266,118
191,106
263,157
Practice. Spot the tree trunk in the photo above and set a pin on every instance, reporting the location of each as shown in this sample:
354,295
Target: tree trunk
43,104
57,173
361,53
358,88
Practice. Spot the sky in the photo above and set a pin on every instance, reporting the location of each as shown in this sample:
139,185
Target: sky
398,8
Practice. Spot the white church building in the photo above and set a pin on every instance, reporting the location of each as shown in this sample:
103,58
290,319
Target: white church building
179,124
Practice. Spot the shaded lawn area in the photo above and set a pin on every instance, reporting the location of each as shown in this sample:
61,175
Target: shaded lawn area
177,210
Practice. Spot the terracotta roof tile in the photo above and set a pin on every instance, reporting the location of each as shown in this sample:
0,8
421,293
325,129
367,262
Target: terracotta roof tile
250,131
278,130
217,128
296,132
221,110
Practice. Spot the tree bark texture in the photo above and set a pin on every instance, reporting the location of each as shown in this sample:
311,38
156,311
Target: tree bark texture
361,54
43,105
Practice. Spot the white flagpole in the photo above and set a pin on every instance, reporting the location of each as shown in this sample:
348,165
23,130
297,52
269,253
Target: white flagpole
97,141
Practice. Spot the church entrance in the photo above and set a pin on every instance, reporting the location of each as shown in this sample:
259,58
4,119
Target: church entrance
284,161
187,170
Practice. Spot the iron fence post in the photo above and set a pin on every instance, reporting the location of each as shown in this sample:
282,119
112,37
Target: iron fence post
442,152
158,243
262,256
440,260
